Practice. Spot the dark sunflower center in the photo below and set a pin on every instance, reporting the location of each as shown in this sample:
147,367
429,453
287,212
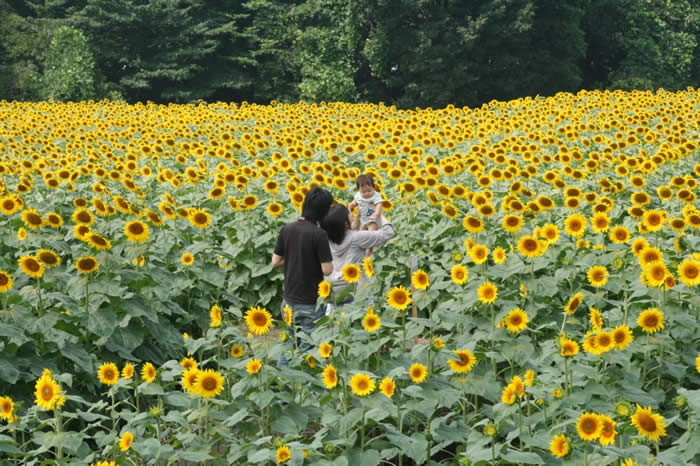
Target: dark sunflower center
516,320
647,423
260,319
32,265
47,392
4,279
588,426
136,228
651,321
209,383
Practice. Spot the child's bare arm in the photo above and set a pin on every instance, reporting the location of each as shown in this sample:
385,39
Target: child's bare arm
377,211
352,205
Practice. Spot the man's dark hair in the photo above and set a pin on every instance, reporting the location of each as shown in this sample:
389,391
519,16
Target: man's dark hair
334,223
316,204
364,180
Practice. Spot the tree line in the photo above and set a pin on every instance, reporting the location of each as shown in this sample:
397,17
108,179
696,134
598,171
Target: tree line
403,52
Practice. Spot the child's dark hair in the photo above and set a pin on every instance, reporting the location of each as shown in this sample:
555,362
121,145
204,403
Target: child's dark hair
365,180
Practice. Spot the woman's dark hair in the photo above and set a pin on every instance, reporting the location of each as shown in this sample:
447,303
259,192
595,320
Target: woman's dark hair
316,204
364,180
334,223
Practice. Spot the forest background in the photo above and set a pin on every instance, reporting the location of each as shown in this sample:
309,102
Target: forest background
402,52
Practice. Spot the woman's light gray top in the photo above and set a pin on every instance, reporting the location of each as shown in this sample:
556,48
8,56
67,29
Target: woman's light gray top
352,251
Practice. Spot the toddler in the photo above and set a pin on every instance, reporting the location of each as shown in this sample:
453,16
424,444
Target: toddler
369,204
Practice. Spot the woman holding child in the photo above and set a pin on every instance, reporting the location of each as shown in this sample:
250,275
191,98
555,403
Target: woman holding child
349,246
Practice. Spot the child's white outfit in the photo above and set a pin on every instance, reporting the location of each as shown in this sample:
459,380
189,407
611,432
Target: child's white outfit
366,207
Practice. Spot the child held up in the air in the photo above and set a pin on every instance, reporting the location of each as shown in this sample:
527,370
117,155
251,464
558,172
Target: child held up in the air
369,204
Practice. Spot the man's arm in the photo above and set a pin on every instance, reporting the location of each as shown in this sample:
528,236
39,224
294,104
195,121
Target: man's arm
327,268
277,261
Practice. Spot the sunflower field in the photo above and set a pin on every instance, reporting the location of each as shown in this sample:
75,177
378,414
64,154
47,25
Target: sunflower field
551,318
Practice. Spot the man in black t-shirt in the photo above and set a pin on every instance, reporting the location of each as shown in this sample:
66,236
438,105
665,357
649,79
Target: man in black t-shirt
302,249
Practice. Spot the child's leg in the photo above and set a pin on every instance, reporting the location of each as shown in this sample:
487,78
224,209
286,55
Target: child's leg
372,226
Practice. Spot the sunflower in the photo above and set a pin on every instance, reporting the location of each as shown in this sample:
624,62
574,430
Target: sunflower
32,219
48,258
529,377
21,234
125,441
459,274
655,273
128,371
136,231
7,407
288,315
464,364
371,322
573,304
651,320
82,217
98,242
325,350
512,223
649,424
650,254
488,292
187,259
597,276
108,373
472,224
575,225
330,377
387,386
81,231
600,223
368,267
351,273
516,320
46,392
87,264
608,432
188,363
479,253
508,394
324,289
420,280
8,205
558,446
274,209
31,266
418,372
528,246
249,201
215,316
253,366
569,348
189,379
209,383
653,220
689,272
5,281
54,220
237,351
399,298
619,234
589,426
604,342
361,384
638,245
622,337
550,232
148,372
596,318
283,454
259,320
449,210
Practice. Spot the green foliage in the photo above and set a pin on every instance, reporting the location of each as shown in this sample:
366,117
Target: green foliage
69,72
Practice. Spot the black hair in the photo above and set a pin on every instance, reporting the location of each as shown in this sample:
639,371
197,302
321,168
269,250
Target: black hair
316,204
334,223
363,180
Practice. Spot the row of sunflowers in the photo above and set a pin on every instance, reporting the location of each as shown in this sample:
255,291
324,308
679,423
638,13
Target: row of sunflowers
548,315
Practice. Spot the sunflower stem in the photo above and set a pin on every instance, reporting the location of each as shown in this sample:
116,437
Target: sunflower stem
520,422
403,328
566,375
38,292
59,429
362,431
87,294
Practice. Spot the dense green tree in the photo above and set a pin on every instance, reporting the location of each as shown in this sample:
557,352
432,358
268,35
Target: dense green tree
661,45
69,67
